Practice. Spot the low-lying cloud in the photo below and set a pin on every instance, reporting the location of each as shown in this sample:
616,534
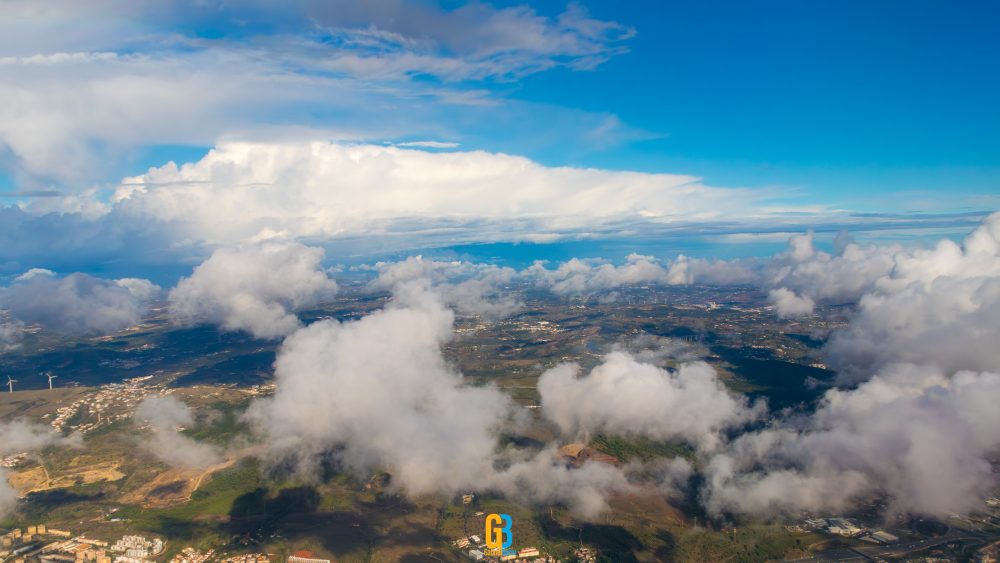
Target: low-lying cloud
471,289
789,305
912,433
378,393
254,288
939,306
21,436
166,417
623,396
78,304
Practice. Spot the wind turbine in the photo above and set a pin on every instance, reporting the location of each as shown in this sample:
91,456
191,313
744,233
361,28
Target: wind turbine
10,384
51,377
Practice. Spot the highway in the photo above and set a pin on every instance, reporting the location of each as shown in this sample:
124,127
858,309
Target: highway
880,552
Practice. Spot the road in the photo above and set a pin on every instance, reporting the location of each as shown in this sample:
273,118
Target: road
877,552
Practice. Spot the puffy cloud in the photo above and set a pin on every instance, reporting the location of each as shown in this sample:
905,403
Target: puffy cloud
78,304
579,277
816,275
911,433
381,388
166,417
686,271
544,478
626,397
378,393
141,289
472,289
918,432
255,288
788,304
938,306
22,436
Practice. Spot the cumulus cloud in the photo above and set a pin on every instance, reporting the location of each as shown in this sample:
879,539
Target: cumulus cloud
378,393
938,306
686,271
166,417
381,388
78,304
580,277
919,426
788,304
471,289
816,275
625,397
254,288
661,351
544,478
911,433
22,436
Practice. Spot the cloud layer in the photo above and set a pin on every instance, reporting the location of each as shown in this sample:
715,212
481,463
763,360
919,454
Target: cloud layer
243,190
148,75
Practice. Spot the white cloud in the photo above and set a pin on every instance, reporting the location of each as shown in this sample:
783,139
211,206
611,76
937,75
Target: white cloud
33,273
626,397
166,416
472,289
686,271
146,76
788,304
429,144
327,190
938,306
381,388
581,277
911,433
22,436
918,432
474,41
817,275
78,304
255,288
378,393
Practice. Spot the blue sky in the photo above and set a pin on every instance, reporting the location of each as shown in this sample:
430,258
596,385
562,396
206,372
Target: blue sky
842,99
812,114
